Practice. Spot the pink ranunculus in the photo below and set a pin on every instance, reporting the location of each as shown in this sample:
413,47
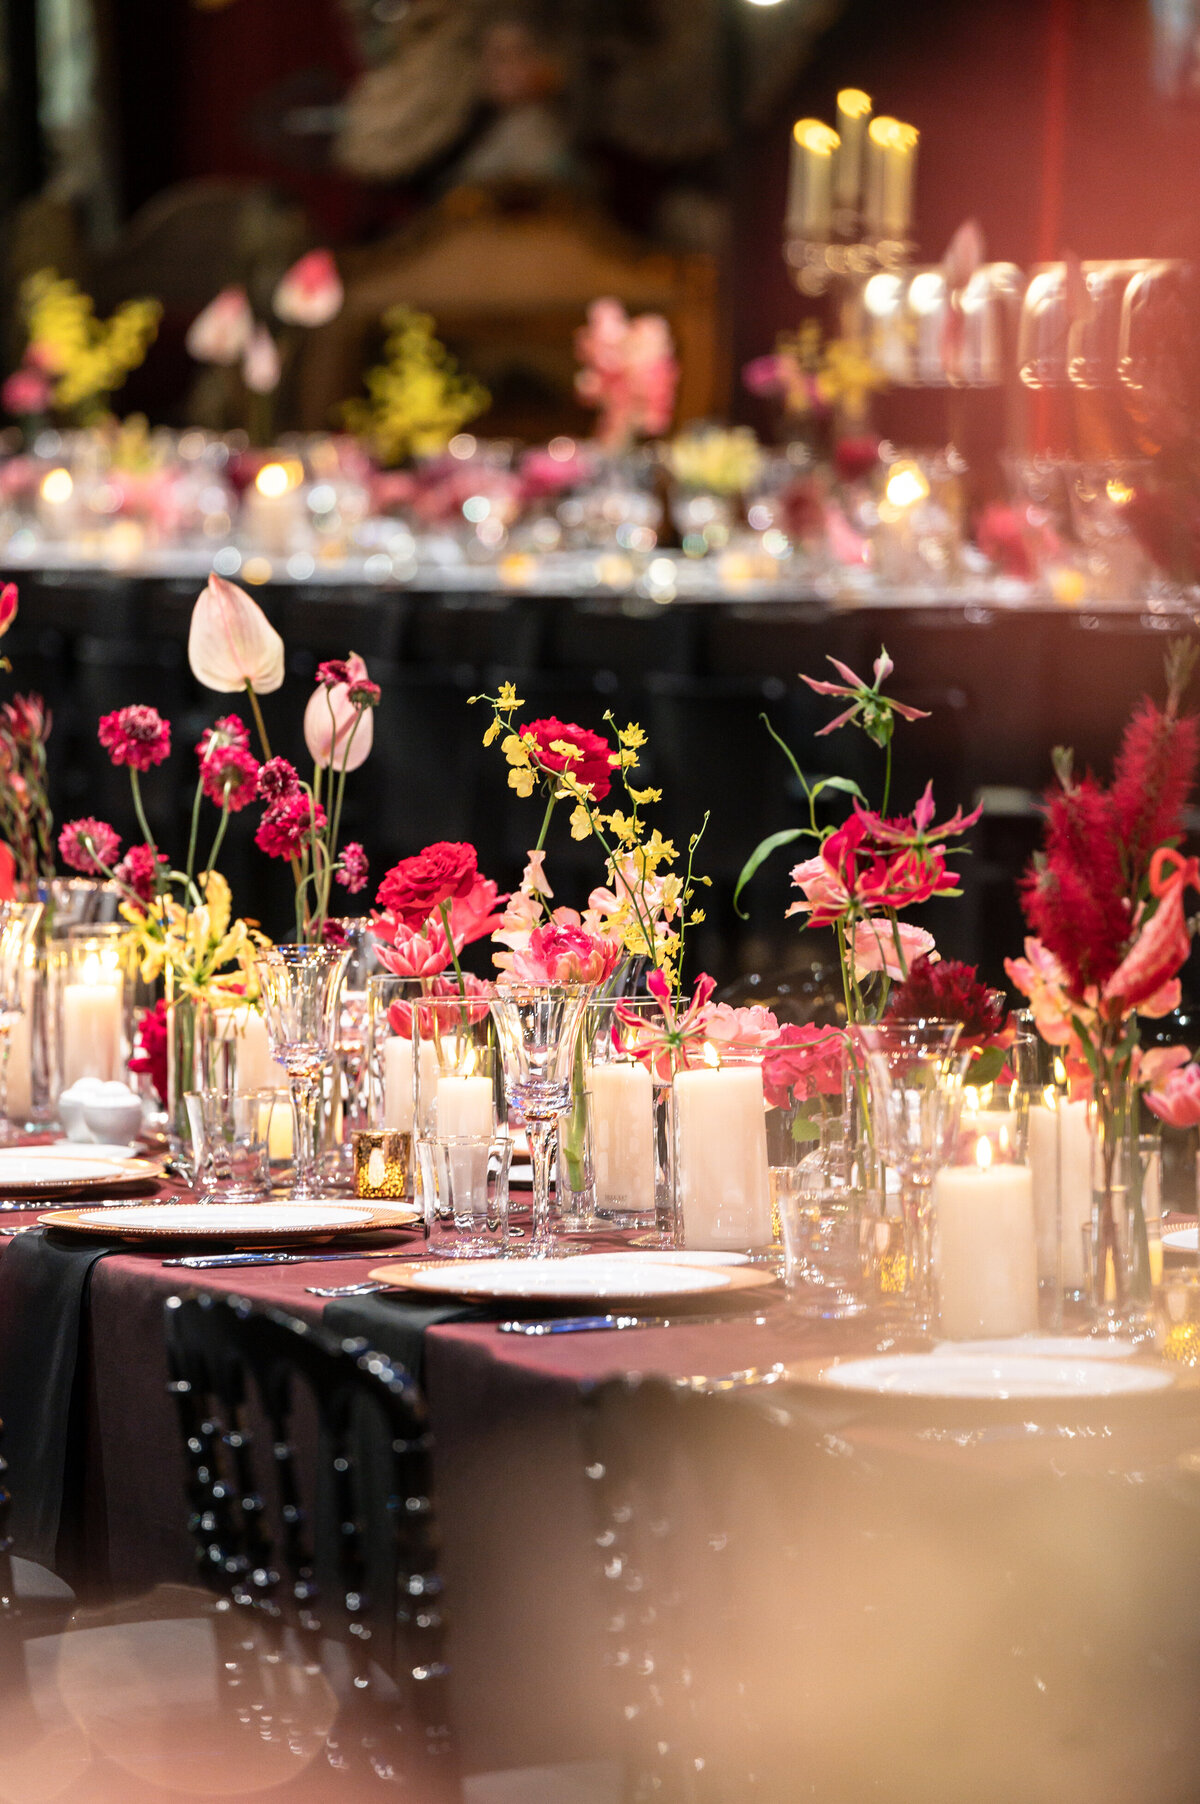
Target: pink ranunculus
409,953
874,947
1177,1102
803,1062
261,368
337,730
563,954
222,330
231,643
26,391
310,293
741,1029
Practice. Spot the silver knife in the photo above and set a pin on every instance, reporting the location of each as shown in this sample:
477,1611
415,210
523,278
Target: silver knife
602,1324
203,1262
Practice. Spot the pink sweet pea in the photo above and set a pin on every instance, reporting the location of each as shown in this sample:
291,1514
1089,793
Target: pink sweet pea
874,947
336,730
1177,1102
221,331
8,607
310,293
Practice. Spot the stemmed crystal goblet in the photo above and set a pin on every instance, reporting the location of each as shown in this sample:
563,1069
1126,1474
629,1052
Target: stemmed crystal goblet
537,1025
19,922
914,1070
300,987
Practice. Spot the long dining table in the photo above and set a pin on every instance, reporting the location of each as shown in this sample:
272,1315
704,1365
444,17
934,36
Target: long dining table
517,1516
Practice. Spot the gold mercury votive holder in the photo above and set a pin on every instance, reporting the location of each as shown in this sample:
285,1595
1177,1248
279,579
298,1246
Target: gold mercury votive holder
1177,1317
382,1164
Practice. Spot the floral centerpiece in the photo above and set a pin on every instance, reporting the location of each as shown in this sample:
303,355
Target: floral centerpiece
1105,902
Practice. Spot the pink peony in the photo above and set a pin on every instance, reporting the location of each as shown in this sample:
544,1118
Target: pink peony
743,1029
561,954
89,846
137,736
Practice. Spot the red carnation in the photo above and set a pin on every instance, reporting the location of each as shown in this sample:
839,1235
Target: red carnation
89,845
288,827
137,736
415,888
948,990
593,767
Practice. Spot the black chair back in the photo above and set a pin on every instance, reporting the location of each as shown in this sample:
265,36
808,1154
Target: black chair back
337,1546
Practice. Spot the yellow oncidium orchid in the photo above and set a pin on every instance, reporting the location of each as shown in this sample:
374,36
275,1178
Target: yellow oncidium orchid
208,953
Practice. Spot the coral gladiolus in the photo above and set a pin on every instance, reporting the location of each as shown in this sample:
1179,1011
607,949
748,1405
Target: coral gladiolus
336,730
231,643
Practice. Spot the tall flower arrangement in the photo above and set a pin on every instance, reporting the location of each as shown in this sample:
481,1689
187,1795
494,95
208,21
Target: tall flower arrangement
628,373
1105,902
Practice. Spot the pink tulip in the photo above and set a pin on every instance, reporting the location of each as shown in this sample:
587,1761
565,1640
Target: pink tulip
221,331
1178,1102
565,954
336,731
260,364
231,643
311,293
412,954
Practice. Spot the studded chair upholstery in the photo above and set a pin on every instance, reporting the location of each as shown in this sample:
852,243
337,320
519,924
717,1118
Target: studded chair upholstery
354,1564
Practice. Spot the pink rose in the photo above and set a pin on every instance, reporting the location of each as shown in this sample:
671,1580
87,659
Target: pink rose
747,1029
875,947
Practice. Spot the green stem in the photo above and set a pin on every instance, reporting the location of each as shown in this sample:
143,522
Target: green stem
445,914
190,867
219,836
135,785
334,831
541,838
887,777
900,958
258,721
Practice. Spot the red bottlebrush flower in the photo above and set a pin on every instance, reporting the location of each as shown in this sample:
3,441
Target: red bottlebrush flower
803,1062
26,719
229,776
333,672
150,1054
1152,778
137,736
277,781
353,867
948,990
594,765
288,827
415,888
89,845
1076,898
138,869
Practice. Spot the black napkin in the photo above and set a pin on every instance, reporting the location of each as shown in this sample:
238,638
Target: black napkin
44,1283
395,1326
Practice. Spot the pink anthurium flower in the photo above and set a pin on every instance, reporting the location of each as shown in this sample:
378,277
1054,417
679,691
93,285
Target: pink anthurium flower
261,368
338,728
1163,943
221,331
231,643
310,293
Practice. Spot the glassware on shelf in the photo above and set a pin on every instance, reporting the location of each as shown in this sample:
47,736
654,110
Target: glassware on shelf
914,1072
300,987
537,1026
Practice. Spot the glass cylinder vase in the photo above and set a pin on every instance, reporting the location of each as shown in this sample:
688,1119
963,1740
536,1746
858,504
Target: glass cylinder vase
1126,1188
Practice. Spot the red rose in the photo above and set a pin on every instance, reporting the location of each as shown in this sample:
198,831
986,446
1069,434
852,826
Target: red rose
592,767
415,888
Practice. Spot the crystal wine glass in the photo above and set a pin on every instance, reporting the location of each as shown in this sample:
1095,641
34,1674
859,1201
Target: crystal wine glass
537,1025
300,988
915,1075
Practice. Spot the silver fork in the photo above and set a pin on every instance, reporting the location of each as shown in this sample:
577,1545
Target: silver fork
345,1290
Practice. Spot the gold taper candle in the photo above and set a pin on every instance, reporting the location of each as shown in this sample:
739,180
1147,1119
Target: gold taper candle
853,112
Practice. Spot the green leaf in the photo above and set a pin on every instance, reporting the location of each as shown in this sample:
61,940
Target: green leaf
787,752
760,854
845,785
804,1128
986,1067
1085,1046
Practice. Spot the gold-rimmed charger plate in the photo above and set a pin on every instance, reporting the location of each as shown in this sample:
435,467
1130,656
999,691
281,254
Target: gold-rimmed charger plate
37,1174
569,1280
241,1222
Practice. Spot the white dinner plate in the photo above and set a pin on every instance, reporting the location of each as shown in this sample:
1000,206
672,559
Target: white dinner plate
593,1277
229,1221
1181,1240
1036,1346
49,1172
687,1256
995,1377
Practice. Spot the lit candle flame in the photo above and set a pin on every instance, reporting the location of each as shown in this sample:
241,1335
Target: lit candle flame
983,1152
814,135
712,1057
906,485
57,486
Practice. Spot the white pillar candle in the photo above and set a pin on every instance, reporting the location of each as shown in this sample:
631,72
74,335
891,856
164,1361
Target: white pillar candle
255,1069
465,1105
722,1177
279,1133
853,112
91,1020
985,1250
997,1125
1043,1165
622,1105
398,1083
810,185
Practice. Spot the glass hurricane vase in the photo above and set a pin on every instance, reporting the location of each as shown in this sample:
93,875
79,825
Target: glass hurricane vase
537,1026
300,988
914,1071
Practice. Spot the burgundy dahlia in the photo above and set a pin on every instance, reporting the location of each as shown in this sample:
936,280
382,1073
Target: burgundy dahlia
948,990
